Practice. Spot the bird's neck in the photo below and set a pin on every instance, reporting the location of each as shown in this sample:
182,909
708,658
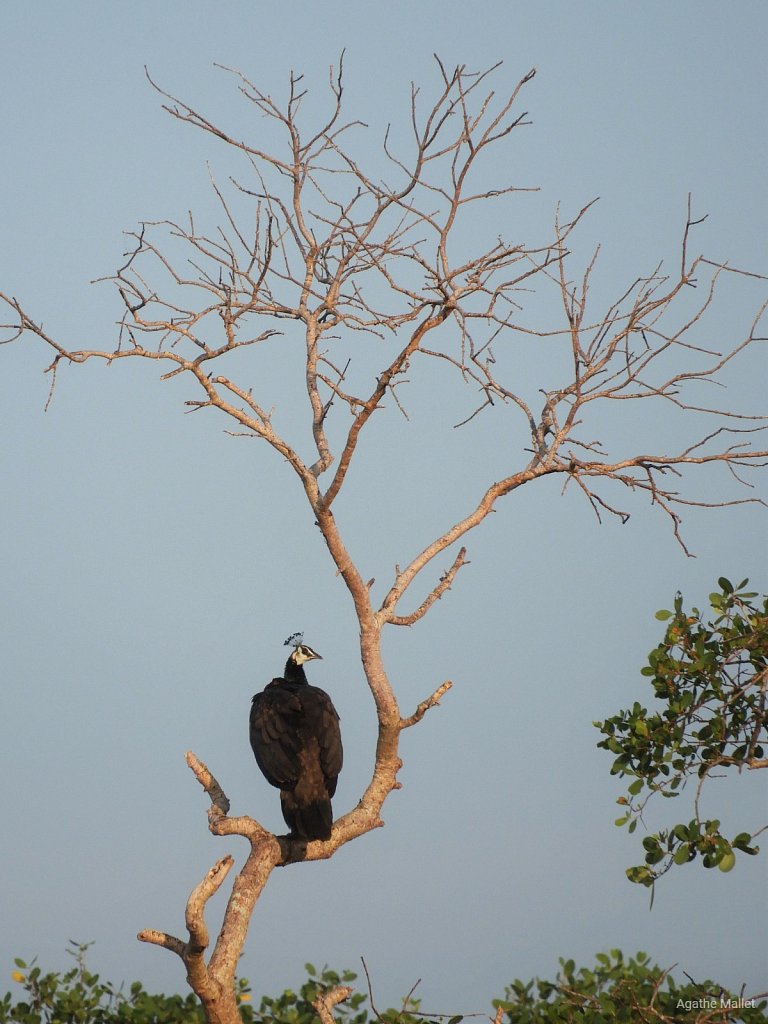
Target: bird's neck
294,673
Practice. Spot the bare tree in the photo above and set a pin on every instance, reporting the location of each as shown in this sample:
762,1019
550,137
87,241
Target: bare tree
370,275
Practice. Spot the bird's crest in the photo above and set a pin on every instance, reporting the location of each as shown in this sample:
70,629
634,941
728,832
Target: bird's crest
294,640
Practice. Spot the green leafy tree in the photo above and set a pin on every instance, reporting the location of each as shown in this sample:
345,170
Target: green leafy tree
613,990
710,674
633,990
79,996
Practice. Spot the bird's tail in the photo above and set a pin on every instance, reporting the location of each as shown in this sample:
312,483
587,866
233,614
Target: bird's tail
307,819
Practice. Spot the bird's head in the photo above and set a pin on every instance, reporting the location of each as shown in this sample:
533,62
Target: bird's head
301,652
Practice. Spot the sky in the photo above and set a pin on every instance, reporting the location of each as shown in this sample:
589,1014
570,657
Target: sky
152,565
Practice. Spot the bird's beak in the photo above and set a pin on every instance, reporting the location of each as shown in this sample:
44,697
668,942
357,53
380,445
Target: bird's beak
318,656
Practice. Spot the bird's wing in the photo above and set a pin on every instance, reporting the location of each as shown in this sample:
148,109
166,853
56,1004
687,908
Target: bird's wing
322,714
275,738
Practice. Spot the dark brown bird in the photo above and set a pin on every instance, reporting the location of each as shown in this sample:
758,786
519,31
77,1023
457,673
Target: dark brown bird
295,736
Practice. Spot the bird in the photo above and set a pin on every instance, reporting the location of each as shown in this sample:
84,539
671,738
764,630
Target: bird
296,739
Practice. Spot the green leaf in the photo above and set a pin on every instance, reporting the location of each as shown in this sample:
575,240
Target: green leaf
729,859
683,854
663,615
636,786
640,875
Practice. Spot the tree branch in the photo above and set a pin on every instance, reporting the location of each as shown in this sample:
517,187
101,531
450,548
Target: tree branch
435,594
325,1002
431,702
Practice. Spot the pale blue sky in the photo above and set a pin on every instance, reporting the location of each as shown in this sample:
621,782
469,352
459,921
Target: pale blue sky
152,566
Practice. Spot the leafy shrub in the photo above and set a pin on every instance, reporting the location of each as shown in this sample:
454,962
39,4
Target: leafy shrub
615,990
709,675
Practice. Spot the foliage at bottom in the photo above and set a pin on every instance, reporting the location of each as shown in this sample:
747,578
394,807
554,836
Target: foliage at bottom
614,990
